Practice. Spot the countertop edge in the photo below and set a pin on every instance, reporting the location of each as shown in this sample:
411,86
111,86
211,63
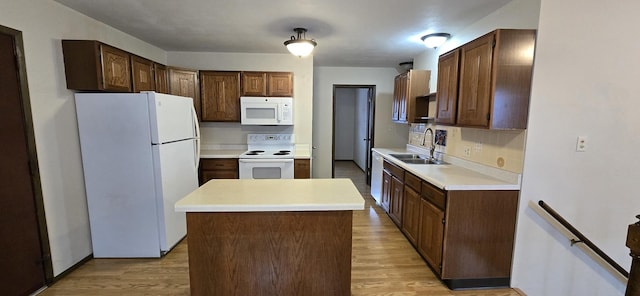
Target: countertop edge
268,208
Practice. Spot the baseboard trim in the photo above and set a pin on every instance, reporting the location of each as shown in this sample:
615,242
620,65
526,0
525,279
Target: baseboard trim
455,284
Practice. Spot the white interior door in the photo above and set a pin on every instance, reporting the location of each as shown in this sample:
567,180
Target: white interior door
176,176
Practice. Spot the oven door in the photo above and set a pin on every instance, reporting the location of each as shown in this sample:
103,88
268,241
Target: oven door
265,168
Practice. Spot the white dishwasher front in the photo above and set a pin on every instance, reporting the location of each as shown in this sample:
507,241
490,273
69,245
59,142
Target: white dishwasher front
376,176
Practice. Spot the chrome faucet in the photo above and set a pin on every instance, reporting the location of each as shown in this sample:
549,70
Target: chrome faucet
432,149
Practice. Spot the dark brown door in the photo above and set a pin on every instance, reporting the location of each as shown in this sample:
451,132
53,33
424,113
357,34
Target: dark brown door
22,269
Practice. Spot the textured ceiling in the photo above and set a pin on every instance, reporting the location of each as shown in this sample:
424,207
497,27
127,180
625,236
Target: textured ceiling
350,33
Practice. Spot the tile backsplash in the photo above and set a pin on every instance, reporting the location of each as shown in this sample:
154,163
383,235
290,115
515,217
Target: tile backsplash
500,149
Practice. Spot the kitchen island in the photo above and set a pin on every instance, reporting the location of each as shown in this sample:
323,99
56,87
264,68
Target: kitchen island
270,237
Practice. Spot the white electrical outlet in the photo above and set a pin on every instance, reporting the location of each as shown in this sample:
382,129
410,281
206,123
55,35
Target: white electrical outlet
467,151
581,144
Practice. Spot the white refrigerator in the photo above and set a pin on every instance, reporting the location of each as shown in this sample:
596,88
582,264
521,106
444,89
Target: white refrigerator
140,154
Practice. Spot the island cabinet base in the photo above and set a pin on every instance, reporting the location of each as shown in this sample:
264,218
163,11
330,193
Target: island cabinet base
270,253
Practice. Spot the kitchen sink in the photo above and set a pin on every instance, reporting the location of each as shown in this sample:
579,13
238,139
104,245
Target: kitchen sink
416,159
409,156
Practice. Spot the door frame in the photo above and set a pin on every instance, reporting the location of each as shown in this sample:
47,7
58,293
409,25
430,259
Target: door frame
371,106
33,155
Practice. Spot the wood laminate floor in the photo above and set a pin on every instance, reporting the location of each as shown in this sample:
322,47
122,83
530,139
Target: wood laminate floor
383,263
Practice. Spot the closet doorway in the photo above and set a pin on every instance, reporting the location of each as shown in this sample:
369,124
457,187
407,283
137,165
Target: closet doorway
353,126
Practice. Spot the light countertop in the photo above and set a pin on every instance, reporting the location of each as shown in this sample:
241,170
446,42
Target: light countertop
269,195
453,176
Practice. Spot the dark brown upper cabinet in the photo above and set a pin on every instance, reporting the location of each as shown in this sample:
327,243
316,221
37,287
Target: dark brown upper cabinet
494,81
220,95
254,84
143,74
92,65
161,78
406,88
184,82
447,95
267,84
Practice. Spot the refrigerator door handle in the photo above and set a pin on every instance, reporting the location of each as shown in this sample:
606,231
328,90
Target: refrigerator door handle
197,138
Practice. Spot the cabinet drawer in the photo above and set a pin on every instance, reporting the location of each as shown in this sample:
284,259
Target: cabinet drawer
394,170
219,164
412,181
433,195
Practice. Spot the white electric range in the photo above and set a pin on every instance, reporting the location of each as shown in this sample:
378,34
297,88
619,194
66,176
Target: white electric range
269,156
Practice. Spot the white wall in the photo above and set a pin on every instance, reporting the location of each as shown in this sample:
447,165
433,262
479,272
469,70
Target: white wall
345,124
43,24
582,85
234,133
387,134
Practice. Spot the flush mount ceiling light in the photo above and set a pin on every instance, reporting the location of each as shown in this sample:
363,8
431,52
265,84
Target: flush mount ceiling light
300,46
436,39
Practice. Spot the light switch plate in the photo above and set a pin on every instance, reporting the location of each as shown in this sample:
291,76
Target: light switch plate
581,144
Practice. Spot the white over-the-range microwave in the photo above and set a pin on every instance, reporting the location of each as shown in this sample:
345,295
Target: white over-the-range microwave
266,110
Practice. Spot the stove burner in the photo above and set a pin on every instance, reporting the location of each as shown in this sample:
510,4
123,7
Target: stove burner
282,153
254,152
285,151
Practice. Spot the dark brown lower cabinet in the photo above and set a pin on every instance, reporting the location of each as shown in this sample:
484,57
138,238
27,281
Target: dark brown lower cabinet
393,191
302,169
478,239
218,168
431,234
466,237
397,194
386,191
411,214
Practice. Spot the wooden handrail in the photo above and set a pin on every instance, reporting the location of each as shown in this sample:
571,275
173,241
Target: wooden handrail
583,239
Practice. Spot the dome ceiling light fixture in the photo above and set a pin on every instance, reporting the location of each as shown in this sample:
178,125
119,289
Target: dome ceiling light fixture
300,46
435,40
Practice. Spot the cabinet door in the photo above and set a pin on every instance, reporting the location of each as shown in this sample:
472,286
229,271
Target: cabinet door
162,78
431,234
404,96
447,95
474,98
397,89
143,74
400,89
254,84
386,190
220,96
397,194
302,169
280,84
411,214
116,69
184,82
